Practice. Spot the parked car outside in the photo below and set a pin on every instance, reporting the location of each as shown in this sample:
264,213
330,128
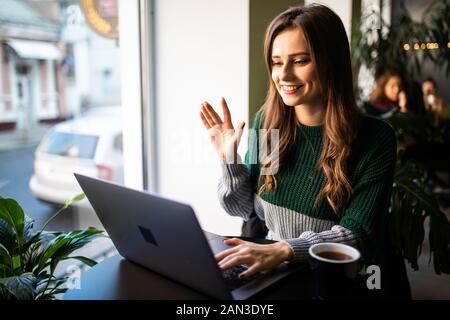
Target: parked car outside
90,145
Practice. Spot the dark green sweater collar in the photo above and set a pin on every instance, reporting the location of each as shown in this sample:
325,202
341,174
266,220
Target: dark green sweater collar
312,131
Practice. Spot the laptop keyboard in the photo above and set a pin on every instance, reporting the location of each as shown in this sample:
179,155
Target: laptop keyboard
232,279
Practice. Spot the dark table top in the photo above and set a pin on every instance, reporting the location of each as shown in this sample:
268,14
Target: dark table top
119,279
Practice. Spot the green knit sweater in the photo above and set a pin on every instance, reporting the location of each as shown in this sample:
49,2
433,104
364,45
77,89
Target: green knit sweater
289,210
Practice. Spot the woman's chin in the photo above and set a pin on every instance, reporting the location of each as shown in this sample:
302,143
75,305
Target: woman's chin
292,102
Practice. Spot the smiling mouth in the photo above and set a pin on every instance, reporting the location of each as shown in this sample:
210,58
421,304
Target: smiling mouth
290,89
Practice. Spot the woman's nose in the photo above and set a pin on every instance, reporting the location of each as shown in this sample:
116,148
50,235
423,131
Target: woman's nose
286,72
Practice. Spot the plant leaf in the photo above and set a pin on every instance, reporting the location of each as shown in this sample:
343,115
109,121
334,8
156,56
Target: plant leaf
5,256
28,228
439,238
74,199
51,248
34,248
68,203
12,213
5,294
63,245
86,261
21,287
7,236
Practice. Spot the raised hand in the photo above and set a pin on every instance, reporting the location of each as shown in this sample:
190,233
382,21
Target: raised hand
224,137
402,101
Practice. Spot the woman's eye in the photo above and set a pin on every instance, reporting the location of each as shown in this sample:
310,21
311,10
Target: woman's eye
276,63
301,61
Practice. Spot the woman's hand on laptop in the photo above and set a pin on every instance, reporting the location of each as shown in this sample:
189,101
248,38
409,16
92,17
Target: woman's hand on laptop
259,257
224,137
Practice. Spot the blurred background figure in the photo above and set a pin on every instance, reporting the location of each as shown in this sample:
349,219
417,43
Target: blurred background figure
389,94
432,102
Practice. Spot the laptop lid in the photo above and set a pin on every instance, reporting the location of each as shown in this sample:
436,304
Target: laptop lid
157,233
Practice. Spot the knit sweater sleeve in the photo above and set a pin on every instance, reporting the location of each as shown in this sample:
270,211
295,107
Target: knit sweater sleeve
237,184
364,217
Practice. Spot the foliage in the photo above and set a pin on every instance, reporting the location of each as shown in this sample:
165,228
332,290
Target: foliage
411,127
411,204
411,201
28,259
379,45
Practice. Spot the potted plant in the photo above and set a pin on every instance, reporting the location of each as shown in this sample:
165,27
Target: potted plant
28,258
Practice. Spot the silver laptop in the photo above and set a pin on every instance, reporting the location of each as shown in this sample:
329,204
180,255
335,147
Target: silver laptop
164,236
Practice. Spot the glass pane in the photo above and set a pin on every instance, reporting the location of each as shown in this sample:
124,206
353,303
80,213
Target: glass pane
60,109
70,145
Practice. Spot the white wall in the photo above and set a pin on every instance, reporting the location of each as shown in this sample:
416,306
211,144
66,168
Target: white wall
201,52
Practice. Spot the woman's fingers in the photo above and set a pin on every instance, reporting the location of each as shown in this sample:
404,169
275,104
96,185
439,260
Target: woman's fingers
212,113
236,259
226,114
233,241
212,118
233,260
205,122
223,254
207,115
252,270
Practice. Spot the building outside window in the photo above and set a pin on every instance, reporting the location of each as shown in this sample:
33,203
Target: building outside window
60,106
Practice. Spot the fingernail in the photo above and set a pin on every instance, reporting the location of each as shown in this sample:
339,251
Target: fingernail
241,276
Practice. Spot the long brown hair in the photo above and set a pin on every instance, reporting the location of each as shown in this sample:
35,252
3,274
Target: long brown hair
381,81
330,52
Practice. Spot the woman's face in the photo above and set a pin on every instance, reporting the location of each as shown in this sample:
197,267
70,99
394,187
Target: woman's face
428,88
392,88
293,71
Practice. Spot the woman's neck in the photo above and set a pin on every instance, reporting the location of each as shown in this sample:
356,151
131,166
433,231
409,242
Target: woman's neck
310,114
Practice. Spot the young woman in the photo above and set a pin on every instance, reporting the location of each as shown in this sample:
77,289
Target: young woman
389,92
335,166
432,102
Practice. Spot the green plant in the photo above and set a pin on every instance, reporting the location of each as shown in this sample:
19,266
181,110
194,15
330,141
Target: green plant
411,200
28,259
411,204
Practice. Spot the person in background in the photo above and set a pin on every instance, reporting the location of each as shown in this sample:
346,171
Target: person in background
389,94
432,102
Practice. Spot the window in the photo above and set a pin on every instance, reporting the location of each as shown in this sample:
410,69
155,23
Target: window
71,145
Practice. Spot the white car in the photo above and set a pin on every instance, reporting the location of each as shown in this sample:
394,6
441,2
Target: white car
90,145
